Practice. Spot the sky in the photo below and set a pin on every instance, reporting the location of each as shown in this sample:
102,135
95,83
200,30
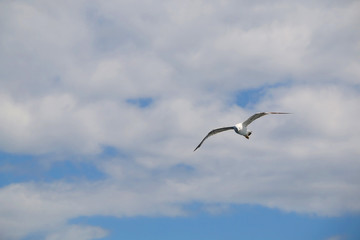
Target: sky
103,102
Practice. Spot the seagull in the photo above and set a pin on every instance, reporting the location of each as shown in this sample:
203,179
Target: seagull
240,128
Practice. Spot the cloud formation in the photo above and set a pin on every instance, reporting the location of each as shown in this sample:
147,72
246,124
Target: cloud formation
69,69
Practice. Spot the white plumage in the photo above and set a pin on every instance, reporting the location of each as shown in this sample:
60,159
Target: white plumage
240,128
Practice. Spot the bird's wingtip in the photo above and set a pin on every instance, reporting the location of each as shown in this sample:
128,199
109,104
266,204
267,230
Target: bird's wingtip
280,113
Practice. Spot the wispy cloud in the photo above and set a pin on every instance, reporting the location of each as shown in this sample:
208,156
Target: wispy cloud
337,237
78,232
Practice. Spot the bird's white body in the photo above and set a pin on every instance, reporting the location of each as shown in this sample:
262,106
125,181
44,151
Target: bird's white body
240,128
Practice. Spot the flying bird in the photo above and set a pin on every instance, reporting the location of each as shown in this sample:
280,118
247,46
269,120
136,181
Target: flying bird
240,128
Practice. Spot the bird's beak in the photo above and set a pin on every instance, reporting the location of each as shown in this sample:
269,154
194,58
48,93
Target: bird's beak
247,137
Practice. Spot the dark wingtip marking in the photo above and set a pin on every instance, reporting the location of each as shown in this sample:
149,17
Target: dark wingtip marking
197,147
279,113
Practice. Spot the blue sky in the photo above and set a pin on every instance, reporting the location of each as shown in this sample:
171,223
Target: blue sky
103,102
248,222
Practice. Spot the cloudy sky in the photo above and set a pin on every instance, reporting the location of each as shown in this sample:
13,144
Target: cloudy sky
103,102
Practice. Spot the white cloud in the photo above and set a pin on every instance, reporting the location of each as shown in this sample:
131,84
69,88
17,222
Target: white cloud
68,68
78,232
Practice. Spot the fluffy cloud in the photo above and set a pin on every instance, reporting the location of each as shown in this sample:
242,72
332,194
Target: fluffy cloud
68,71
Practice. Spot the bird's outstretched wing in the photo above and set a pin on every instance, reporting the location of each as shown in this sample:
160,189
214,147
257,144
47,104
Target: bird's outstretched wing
258,115
212,132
